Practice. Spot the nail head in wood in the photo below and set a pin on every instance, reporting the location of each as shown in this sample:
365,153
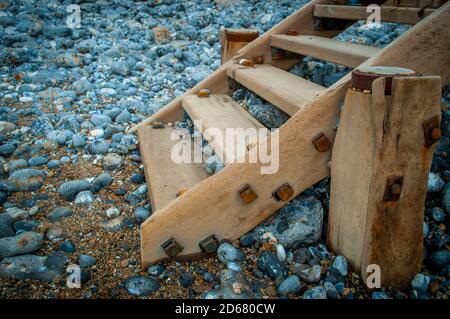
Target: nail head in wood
393,188
247,194
432,130
171,247
321,142
284,192
209,244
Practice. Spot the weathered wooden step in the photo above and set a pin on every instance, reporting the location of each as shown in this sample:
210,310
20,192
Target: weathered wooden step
220,112
388,14
165,177
285,90
344,53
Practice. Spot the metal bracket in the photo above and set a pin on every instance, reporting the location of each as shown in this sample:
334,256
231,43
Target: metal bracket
321,142
284,192
432,130
171,247
247,194
209,244
393,188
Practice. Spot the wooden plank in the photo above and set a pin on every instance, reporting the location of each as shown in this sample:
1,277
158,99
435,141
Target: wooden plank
232,40
388,14
165,177
220,112
379,137
343,53
214,205
285,90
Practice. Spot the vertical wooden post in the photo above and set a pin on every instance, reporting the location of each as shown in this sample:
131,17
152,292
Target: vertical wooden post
232,40
380,162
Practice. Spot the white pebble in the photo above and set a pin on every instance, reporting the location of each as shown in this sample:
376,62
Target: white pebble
112,212
281,252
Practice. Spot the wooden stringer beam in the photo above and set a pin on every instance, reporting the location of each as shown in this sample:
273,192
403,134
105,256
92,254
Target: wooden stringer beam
213,206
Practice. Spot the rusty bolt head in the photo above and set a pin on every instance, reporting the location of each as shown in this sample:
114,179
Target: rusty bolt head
393,188
435,133
209,244
203,93
246,62
258,59
432,130
247,194
171,247
284,192
321,142
292,32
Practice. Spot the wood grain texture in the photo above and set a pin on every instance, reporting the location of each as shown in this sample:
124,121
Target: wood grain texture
285,90
343,53
394,236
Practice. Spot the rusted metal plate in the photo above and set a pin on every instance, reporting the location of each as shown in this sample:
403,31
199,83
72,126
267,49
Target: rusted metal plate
247,194
362,78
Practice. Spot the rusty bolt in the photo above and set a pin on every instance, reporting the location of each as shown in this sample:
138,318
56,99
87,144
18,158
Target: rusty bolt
203,93
432,130
321,142
284,192
171,247
394,185
247,194
258,59
209,244
395,189
246,62
435,133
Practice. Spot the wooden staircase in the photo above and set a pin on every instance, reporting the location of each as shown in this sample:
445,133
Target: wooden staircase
192,210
